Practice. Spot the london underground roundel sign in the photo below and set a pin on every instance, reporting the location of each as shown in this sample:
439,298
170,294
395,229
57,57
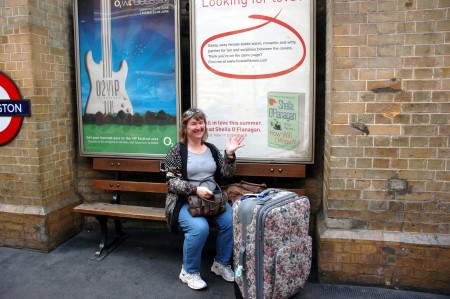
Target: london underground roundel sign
12,109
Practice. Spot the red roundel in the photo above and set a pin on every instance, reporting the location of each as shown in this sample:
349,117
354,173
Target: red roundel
9,125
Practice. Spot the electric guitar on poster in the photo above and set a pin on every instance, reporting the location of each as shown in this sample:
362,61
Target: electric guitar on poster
107,94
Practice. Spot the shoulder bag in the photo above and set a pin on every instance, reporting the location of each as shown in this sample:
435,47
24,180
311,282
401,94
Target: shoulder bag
213,206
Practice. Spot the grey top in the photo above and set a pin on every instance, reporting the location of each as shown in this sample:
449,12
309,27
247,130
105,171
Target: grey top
201,166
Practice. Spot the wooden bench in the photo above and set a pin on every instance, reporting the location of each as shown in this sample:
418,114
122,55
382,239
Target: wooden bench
103,211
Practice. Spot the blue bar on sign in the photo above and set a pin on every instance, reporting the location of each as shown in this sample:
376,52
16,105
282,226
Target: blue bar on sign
15,108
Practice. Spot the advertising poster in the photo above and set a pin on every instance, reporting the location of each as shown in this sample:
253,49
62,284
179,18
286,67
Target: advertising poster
253,74
127,77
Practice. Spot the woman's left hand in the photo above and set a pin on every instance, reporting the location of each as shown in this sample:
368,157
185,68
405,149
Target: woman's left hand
234,143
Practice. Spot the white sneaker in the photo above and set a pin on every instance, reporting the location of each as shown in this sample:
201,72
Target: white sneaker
223,270
193,280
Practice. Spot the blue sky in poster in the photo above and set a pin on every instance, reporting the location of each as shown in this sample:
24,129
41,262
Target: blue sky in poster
146,42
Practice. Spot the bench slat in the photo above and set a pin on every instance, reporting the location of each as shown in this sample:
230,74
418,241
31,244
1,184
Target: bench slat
270,170
130,186
122,211
242,169
126,165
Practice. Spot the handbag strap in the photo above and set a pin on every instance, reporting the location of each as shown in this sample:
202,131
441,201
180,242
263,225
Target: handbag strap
207,179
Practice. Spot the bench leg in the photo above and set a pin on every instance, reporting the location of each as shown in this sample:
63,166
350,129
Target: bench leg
118,226
104,248
103,221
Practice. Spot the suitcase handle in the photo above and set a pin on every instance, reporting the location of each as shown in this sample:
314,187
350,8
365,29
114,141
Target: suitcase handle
263,197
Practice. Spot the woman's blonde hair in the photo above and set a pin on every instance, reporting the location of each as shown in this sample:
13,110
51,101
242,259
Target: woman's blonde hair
197,114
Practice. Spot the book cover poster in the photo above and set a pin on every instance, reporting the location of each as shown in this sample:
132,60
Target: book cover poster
127,75
246,52
284,112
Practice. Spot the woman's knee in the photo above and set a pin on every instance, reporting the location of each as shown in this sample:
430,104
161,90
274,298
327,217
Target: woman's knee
199,228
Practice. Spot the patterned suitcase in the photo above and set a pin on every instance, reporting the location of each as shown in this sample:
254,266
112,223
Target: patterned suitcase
272,249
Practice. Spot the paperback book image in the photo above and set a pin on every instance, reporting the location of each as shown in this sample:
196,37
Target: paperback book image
283,119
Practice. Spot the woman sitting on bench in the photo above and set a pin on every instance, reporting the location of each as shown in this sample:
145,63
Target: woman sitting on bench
187,163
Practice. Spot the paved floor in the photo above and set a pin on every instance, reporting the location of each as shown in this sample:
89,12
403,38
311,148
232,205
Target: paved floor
146,265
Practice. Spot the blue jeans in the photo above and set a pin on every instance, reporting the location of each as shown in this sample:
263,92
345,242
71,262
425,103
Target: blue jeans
196,230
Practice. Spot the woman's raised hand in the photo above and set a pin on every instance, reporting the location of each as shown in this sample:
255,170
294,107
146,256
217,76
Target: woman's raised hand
233,143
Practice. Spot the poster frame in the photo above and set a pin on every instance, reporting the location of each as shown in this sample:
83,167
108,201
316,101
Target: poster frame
78,89
195,57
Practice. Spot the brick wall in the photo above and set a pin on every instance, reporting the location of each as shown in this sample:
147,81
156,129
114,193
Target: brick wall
387,140
381,258
37,170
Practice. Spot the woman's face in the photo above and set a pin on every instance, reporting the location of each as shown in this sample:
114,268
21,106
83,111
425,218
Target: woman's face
195,129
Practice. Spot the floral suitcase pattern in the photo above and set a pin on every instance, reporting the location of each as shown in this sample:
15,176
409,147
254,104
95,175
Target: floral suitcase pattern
272,249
